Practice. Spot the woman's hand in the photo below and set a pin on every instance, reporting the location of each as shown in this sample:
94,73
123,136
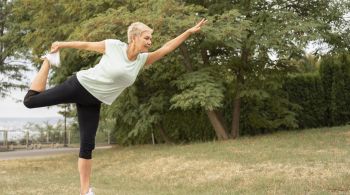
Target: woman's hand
173,44
198,26
55,47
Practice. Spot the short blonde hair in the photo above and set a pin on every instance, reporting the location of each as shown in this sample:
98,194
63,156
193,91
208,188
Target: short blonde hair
137,28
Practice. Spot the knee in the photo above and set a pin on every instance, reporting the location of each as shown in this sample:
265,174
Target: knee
27,103
86,150
27,99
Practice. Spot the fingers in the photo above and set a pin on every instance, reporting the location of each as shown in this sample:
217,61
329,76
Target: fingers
53,50
202,22
54,47
198,26
205,21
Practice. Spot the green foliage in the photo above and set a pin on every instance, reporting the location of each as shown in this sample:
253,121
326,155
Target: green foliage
324,98
229,28
306,90
264,108
308,63
198,90
335,73
11,62
259,117
188,126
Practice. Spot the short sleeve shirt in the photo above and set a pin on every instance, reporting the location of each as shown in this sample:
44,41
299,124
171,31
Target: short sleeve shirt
113,73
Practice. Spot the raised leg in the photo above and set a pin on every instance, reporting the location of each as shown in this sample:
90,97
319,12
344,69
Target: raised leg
40,80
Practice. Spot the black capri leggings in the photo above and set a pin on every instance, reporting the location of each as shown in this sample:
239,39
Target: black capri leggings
88,107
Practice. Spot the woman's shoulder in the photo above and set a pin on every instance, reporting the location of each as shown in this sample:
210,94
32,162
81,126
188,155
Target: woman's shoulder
112,44
115,41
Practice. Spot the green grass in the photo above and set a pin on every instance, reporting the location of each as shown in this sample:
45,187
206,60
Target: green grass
315,161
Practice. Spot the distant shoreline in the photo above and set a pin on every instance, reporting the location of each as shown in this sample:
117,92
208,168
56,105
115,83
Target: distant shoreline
15,123
55,117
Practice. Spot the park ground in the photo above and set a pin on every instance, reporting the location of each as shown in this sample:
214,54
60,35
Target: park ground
313,161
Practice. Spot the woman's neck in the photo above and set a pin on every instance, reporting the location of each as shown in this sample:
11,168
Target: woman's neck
132,52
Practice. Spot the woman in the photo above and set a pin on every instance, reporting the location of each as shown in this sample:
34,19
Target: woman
103,83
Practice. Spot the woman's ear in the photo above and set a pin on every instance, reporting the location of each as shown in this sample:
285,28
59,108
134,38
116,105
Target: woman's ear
133,38
136,37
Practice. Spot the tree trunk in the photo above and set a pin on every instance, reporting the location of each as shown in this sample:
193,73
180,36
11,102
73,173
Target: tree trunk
235,116
237,99
162,134
223,122
236,110
205,56
3,16
217,124
187,60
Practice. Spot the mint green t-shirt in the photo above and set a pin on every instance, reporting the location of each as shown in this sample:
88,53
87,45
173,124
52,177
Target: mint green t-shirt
113,73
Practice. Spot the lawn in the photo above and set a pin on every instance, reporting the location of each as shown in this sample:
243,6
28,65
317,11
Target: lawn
314,161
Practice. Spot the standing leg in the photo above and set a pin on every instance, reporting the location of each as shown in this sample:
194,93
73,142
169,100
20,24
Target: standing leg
84,167
39,82
88,118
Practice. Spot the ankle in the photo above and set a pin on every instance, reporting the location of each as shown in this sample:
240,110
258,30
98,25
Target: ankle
85,191
46,63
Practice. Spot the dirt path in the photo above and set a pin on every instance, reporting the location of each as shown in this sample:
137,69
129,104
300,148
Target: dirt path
40,153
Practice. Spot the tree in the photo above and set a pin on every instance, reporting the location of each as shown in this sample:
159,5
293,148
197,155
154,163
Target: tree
11,62
276,28
309,63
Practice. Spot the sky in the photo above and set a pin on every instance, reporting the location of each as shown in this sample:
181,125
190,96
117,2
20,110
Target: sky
12,106
11,109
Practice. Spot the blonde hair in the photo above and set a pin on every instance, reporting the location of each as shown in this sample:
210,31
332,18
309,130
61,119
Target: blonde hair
137,28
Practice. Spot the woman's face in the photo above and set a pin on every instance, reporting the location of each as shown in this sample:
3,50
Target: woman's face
144,41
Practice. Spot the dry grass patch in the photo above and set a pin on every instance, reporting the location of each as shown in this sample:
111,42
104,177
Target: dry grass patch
181,171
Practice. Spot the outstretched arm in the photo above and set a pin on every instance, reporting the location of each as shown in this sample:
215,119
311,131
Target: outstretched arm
90,46
173,44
